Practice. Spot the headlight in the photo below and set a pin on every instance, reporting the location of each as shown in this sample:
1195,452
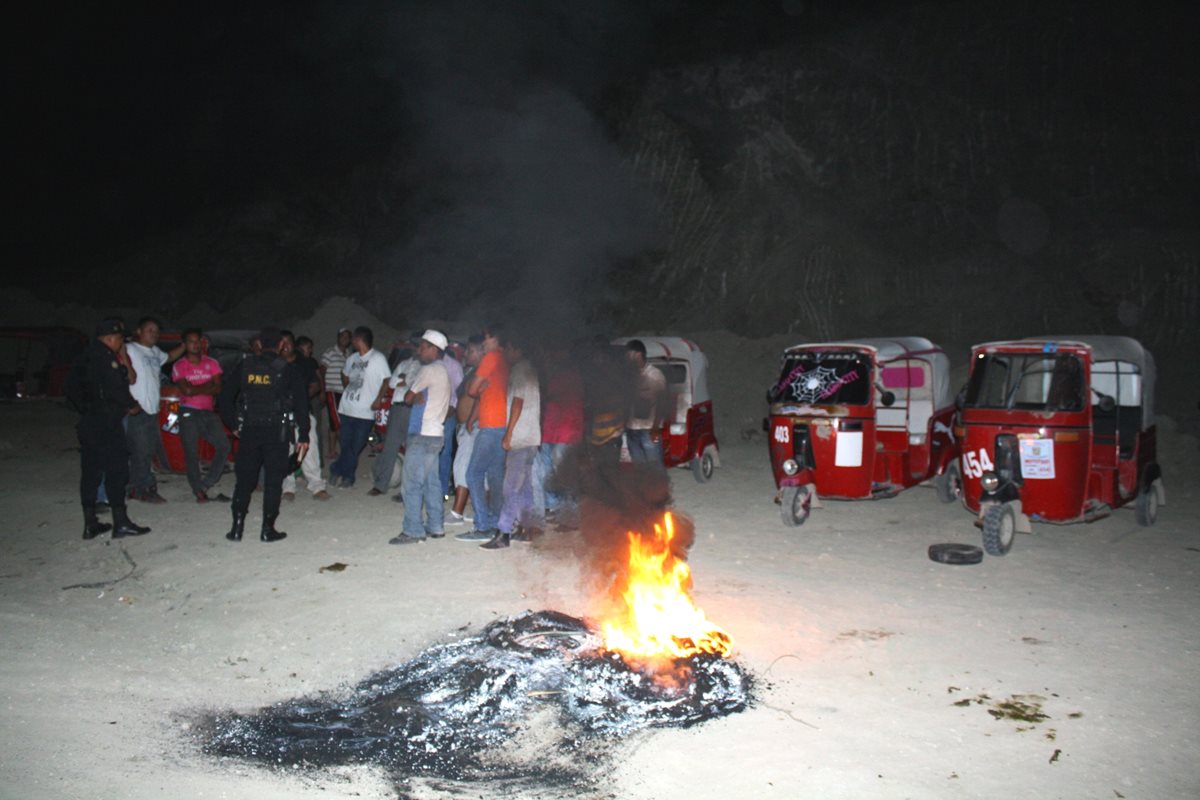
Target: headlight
790,467
678,428
990,481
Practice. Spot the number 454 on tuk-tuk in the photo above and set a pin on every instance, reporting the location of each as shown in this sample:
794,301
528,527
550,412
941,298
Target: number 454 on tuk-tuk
1058,430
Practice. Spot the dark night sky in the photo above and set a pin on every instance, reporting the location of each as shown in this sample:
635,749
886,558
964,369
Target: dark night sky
133,118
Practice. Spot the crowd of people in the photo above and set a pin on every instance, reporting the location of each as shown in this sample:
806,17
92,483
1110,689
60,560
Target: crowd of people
484,425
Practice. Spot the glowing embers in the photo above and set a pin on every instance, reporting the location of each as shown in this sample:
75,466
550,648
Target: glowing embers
653,617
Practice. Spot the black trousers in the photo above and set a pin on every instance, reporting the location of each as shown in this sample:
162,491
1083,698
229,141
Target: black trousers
260,450
103,453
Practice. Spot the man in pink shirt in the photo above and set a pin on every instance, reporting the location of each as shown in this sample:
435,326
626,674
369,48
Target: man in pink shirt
199,380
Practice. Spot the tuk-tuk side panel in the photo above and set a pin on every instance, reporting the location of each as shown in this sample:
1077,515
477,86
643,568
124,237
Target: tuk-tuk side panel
845,457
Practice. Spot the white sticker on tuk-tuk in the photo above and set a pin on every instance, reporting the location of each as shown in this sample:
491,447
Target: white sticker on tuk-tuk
849,449
1037,458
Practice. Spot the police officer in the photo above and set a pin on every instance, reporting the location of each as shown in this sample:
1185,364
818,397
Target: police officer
99,388
263,399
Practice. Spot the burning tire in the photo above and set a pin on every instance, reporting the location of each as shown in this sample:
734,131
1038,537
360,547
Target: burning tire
1148,501
796,505
949,483
999,529
704,465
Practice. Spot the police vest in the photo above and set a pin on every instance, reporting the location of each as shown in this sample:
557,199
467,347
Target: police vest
261,399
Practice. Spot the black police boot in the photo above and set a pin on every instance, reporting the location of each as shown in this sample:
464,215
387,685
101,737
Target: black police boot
269,534
123,526
239,525
93,527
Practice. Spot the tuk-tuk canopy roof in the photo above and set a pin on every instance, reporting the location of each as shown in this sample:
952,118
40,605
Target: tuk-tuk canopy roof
1109,353
896,348
676,348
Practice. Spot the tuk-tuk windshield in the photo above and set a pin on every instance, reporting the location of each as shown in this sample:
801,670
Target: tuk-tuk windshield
839,377
1026,381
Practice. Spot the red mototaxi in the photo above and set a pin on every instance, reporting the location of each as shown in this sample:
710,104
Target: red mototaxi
689,436
861,419
1058,429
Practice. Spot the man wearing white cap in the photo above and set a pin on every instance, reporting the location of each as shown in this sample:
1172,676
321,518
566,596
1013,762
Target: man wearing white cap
421,482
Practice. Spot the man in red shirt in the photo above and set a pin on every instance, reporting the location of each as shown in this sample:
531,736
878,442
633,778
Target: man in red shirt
199,380
562,427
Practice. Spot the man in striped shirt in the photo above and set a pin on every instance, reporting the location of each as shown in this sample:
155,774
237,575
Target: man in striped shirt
333,363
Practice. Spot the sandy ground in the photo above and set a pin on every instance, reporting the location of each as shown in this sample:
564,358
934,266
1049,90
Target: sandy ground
878,667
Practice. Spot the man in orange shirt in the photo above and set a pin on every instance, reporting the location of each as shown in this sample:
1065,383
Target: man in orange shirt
485,473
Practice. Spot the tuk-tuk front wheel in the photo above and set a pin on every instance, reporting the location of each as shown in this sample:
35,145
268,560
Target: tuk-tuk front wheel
1148,501
796,504
704,465
949,483
999,529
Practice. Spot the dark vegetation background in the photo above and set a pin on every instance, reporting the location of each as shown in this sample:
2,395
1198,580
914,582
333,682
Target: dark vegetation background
962,170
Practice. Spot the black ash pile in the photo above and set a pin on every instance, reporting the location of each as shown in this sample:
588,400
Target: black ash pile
453,711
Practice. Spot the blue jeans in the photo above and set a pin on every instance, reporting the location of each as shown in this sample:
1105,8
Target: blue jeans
642,450
487,470
548,458
446,459
518,491
352,438
421,484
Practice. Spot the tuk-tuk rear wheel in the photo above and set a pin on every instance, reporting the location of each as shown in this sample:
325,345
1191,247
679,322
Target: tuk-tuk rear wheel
704,465
949,483
795,505
999,529
1147,504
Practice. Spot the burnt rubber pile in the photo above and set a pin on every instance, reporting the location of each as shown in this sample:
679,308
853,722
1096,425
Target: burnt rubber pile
448,712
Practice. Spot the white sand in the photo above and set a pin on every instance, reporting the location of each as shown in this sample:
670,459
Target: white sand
863,644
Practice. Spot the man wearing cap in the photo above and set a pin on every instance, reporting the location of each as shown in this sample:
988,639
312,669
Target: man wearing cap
421,481
98,386
262,401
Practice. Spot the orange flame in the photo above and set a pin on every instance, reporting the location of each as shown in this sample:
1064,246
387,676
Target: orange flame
658,619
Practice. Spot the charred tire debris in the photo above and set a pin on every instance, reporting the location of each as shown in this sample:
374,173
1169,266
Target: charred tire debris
451,712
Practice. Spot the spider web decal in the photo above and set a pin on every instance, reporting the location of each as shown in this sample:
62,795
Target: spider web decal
813,386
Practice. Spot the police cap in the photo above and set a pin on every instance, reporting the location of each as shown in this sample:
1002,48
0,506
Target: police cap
109,326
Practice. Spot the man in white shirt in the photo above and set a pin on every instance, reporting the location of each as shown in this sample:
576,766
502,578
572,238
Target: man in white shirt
141,432
421,482
364,375
397,422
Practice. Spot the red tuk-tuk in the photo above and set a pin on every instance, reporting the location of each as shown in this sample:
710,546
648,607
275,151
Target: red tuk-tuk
861,419
688,436
1058,430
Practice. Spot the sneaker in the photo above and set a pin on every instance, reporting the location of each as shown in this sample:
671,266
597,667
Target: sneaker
152,496
321,495
526,534
476,536
437,534
375,492
289,496
201,497
497,542
221,498
398,498
455,518
405,539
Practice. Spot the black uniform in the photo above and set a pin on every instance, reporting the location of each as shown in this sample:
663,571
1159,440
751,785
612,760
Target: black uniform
263,399
98,387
